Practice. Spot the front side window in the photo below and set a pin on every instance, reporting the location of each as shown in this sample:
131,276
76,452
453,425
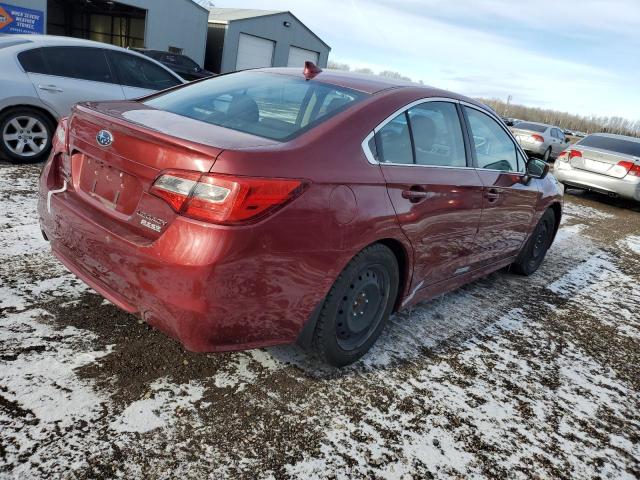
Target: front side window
273,106
437,135
494,149
135,71
84,63
394,142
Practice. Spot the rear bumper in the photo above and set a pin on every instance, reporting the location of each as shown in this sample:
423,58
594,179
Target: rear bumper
627,187
213,288
536,148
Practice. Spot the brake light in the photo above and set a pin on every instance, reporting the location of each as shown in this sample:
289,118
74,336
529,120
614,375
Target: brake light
224,199
61,137
630,167
537,138
574,154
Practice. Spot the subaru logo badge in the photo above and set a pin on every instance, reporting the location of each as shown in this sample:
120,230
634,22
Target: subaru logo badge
104,138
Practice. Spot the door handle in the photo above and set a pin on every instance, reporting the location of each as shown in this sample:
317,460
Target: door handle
493,195
414,195
50,88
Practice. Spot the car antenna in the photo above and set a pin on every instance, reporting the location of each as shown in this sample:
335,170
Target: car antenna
310,70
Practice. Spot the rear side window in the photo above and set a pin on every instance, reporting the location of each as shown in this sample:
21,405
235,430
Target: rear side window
83,63
437,135
134,71
274,106
617,145
394,141
32,61
532,126
493,147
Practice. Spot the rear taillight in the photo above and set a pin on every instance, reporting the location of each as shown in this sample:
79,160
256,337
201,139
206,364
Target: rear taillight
61,137
630,167
574,154
224,199
537,138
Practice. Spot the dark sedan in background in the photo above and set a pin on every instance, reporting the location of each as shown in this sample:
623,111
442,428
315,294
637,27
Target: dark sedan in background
180,64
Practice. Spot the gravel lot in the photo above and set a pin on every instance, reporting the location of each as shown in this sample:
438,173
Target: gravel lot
508,377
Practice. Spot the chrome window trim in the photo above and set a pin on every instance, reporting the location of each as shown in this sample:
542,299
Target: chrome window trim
365,143
367,150
509,134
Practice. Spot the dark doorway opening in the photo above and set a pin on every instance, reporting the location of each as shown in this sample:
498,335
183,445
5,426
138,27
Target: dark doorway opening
100,20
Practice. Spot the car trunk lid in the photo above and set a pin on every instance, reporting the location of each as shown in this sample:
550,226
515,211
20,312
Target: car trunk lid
601,161
113,180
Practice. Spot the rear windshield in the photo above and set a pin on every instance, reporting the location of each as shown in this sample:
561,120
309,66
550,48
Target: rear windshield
617,145
269,105
531,126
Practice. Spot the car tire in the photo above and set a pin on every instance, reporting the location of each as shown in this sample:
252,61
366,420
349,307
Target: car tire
357,307
534,251
547,155
25,135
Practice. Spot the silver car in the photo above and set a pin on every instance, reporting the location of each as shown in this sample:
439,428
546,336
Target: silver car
42,76
603,163
544,141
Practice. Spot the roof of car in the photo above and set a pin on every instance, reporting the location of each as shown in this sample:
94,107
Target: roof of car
613,135
366,83
52,40
539,123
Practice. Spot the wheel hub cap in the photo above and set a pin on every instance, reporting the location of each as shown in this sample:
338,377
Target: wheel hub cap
362,307
25,136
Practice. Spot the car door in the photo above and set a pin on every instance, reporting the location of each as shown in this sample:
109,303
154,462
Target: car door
562,142
436,195
139,76
63,76
509,202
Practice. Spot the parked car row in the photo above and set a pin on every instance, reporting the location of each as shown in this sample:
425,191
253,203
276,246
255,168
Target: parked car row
203,189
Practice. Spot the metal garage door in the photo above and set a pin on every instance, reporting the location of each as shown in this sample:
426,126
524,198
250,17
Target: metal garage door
297,56
254,52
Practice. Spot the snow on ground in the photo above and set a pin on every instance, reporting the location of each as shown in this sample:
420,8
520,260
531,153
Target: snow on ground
508,377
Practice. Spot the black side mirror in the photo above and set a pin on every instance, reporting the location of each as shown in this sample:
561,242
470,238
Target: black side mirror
536,168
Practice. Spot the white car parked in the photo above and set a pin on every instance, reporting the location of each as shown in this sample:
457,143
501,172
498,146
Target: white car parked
42,76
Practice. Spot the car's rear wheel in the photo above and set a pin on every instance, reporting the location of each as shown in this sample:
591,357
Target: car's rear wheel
547,155
25,135
534,251
357,306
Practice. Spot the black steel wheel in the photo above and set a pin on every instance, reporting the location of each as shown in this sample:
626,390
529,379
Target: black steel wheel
357,306
534,251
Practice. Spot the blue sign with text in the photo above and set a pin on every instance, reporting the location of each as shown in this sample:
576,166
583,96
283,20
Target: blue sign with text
20,20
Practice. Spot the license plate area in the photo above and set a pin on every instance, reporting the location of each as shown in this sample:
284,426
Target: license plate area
596,166
109,186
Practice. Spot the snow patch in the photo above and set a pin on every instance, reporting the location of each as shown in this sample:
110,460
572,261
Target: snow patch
160,407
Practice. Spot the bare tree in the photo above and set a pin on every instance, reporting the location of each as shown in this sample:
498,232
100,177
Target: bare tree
568,121
564,120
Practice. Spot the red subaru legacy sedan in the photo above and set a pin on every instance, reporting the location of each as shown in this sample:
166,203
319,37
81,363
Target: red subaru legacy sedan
273,206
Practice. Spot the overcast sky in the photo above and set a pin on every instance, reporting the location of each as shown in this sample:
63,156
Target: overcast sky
581,56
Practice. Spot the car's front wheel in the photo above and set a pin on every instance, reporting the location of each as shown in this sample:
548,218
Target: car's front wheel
534,251
25,135
357,306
